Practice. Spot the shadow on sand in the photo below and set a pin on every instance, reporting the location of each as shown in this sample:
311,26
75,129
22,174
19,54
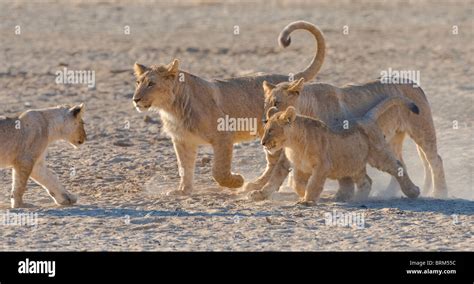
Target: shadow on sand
448,206
104,212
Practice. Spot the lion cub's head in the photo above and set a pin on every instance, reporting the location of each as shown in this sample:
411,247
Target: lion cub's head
274,135
154,85
73,129
282,95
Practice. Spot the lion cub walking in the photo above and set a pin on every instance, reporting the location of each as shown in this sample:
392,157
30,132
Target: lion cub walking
320,153
23,143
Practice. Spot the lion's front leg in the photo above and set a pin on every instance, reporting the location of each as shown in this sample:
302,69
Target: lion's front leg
279,174
186,155
364,185
314,187
221,167
299,182
272,160
49,181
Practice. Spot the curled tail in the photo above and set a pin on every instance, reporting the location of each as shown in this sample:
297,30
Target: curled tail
378,110
284,40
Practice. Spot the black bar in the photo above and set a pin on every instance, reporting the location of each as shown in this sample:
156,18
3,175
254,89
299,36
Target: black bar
241,265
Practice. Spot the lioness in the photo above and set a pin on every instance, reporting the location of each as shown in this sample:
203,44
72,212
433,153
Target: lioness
23,143
190,108
335,105
318,152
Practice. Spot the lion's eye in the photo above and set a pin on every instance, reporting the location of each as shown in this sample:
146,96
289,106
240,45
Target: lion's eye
151,84
137,82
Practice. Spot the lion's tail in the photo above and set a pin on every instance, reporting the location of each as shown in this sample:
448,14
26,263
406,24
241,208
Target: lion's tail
284,40
386,104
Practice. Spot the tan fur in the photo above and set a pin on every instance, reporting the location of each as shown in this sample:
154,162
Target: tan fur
190,107
24,140
334,105
319,152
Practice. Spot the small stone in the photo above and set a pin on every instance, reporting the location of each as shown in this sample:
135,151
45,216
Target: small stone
192,49
205,161
123,143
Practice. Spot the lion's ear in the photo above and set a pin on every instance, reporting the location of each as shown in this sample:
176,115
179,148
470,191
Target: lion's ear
271,112
267,87
289,115
296,86
173,67
77,110
139,69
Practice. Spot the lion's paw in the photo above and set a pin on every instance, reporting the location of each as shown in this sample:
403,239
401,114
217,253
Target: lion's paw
344,195
412,192
233,181
307,203
21,204
251,186
258,195
440,194
178,192
67,199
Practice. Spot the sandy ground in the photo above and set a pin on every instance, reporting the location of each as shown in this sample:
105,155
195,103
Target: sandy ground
122,171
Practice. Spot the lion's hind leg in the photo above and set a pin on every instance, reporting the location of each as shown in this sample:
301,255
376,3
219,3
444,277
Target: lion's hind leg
422,131
20,173
345,191
427,177
396,145
429,149
364,185
436,164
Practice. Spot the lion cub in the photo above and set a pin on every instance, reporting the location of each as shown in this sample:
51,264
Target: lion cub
23,143
320,152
